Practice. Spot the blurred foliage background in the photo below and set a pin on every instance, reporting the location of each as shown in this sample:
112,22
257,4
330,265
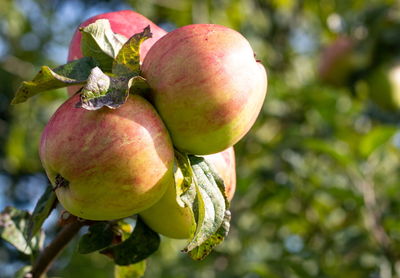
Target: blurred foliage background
318,175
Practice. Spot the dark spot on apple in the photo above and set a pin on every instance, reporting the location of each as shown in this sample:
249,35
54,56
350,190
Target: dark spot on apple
60,182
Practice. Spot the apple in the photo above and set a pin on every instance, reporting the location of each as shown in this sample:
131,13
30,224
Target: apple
126,23
174,220
384,86
109,163
337,61
206,85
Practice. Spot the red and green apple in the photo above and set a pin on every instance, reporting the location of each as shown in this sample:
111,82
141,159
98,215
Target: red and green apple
109,163
207,86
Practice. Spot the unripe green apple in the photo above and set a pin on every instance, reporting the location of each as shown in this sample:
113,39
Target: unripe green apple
109,163
172,219
384,86
207,86
126,23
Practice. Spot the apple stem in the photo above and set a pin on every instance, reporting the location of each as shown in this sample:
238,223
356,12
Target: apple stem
48,255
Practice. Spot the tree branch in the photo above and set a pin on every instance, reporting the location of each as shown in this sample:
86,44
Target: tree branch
48,255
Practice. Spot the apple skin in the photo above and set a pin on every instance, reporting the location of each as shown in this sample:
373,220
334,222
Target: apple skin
384,86
126,23
169,218
114,163
206,85
337,61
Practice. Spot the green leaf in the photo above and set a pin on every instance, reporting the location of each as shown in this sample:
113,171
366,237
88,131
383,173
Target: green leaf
202,251
188,176
209,208
329,149
139,86
127,61
374,139
138,246
43,208
130,271
103,90
78,69
21,273
13,225
99,237
185,187
124,229
203,191
212,174
75,72
101,43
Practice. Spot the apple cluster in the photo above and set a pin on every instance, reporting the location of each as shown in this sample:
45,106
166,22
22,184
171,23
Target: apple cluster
206,91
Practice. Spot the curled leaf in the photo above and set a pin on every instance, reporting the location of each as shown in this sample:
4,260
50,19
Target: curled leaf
127,61
139,85
101,43
103,90
210,203
202,190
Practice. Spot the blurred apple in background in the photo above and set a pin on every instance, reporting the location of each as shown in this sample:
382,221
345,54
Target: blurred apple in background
384,86
337,61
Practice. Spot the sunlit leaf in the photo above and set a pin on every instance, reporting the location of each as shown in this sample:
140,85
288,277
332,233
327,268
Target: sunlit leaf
374,139
21,273
183,163
130,271
185,188
127,61
101,43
